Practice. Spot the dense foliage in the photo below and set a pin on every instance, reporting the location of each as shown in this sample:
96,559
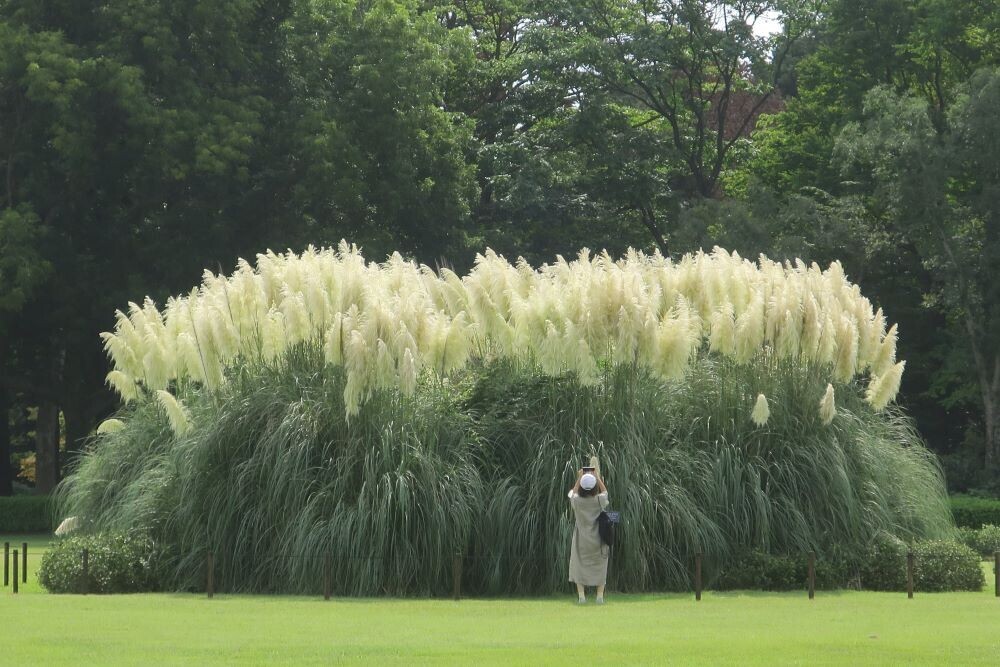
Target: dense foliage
944,565
974,512
985,541
116,563
25,514
939,565
140,142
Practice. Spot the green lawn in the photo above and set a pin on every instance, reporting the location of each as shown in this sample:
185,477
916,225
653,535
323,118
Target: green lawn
746,628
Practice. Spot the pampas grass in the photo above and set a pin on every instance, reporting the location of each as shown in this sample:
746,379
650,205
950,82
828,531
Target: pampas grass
391,417
567,316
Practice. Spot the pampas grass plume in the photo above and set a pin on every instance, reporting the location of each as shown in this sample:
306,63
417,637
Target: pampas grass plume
177,414
124,385
827,405
883,388
567,317
110,426
761,411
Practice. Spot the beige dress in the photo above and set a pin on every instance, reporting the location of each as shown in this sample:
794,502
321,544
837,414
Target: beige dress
588,560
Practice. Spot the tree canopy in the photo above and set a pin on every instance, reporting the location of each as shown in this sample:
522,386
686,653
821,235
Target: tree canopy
143,141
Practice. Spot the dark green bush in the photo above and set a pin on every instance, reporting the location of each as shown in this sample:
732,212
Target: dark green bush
973,512
984,541
756,570
25,514
939,565
884,565
117,563
943,565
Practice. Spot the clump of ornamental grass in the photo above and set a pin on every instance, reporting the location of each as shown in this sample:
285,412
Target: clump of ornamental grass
387,417
384,324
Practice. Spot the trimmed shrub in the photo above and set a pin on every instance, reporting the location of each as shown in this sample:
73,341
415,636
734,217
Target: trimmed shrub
116,563
757,570
985,541
943,565
973,512
884,565
25,514
939,565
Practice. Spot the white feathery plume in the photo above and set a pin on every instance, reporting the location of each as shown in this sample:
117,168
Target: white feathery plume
333,342
885,355
883,388
408,373
827,405
761,411
124,385
570,315
177,414
67,526
750,329
723,330
110,426
847,350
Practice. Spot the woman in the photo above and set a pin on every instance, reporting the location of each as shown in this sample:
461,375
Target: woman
588,561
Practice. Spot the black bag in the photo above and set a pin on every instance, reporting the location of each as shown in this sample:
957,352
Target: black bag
606,522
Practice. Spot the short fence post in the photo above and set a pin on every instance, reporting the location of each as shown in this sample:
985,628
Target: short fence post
15,572
996,573
86,568
6,564
24,562
812,575
456,570
210,575
909,574
327,575
697,577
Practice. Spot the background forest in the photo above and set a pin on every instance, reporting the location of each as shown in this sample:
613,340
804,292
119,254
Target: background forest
142,141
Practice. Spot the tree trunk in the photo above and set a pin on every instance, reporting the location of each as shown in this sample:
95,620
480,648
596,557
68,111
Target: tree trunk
6,472
47,447
649,220
991,408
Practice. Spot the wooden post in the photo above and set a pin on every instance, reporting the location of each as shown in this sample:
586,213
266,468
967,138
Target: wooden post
15,572
327,575
86,568
6,564
909,574
812,575
456,570
996,573
24,562
210,575
697,577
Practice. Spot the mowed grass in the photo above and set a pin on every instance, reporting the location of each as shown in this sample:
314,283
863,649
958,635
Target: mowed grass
741,628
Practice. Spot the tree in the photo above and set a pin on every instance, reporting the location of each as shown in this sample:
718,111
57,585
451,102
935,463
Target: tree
938,183
144,141
694,64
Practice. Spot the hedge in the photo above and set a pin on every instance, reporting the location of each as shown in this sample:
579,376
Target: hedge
117,563
973,512
985,541
939,565
25,514
756,570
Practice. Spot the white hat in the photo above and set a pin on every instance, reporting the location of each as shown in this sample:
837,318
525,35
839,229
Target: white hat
587,482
